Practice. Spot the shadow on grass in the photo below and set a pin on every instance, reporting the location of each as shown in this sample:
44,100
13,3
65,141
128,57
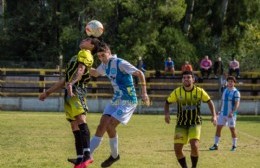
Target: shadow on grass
172,150
251,118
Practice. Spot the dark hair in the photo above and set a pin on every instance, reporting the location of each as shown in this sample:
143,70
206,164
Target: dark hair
96,43
103,47
188,73
231,78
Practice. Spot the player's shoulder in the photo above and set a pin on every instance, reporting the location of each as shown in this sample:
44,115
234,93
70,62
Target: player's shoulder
198,88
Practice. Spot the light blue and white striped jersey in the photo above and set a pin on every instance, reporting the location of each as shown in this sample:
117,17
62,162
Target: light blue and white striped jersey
229,97
120,72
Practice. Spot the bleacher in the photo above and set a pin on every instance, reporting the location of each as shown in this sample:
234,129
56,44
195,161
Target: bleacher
31,82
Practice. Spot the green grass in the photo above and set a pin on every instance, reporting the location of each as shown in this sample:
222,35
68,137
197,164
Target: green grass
44,140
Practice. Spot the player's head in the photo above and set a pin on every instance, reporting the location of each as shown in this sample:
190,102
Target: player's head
103,52
90,44
231,78
188,78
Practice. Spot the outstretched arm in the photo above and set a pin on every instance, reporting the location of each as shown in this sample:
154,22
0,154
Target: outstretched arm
58,85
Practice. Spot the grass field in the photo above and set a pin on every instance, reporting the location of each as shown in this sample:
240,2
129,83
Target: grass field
44,140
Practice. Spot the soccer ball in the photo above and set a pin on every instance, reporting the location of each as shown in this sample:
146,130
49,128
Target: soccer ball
94,28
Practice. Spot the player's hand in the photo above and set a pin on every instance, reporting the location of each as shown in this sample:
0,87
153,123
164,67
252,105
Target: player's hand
214,120
146,100
43,96
70,90
167,118
230,115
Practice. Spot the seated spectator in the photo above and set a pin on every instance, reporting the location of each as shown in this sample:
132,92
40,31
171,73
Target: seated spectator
218,67
169,66
205,66
186,67
234,67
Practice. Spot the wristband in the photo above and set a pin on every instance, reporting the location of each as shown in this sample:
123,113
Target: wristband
142,83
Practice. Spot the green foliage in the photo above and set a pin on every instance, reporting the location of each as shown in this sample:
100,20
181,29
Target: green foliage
42,30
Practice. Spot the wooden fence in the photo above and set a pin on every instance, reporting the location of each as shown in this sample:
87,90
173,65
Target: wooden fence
31,82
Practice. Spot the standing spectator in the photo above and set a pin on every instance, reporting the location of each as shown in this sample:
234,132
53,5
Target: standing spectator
205,66
223,81
124,101
186,67
75,103
227,114
188,98
169,66
141,66
234,67
218,67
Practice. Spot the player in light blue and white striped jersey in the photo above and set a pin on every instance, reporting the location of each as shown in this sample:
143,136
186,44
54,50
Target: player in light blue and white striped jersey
124,101
227,114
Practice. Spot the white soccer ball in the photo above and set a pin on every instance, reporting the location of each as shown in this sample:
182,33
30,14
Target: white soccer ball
94,28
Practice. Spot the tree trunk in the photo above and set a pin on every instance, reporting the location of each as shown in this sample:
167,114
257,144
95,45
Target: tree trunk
219,13
188,16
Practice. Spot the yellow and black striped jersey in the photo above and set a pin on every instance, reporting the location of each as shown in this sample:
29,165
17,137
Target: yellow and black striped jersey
85,57
188,104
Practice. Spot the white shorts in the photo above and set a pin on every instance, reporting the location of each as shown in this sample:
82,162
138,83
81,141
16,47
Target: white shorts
121,110
226,121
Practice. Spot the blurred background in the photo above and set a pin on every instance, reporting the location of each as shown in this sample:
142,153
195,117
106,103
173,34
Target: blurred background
36,33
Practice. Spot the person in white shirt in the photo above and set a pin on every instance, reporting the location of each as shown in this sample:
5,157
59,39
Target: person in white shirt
234,67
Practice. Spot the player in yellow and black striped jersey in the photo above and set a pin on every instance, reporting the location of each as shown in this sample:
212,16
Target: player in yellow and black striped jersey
75,103
188,125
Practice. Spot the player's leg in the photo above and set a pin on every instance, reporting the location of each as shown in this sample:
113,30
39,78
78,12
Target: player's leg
194,136
85,138
79,109
102,127
75,131
78,143
180,138
220,123
232,124
122,114
113,142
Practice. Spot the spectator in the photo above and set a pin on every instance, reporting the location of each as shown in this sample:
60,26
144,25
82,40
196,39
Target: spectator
223,81
141,66
186,67
205,66
169,66
234,67
218,67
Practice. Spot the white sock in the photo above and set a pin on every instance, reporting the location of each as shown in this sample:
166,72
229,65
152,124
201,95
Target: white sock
94,143
216,140
114,146
234,141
